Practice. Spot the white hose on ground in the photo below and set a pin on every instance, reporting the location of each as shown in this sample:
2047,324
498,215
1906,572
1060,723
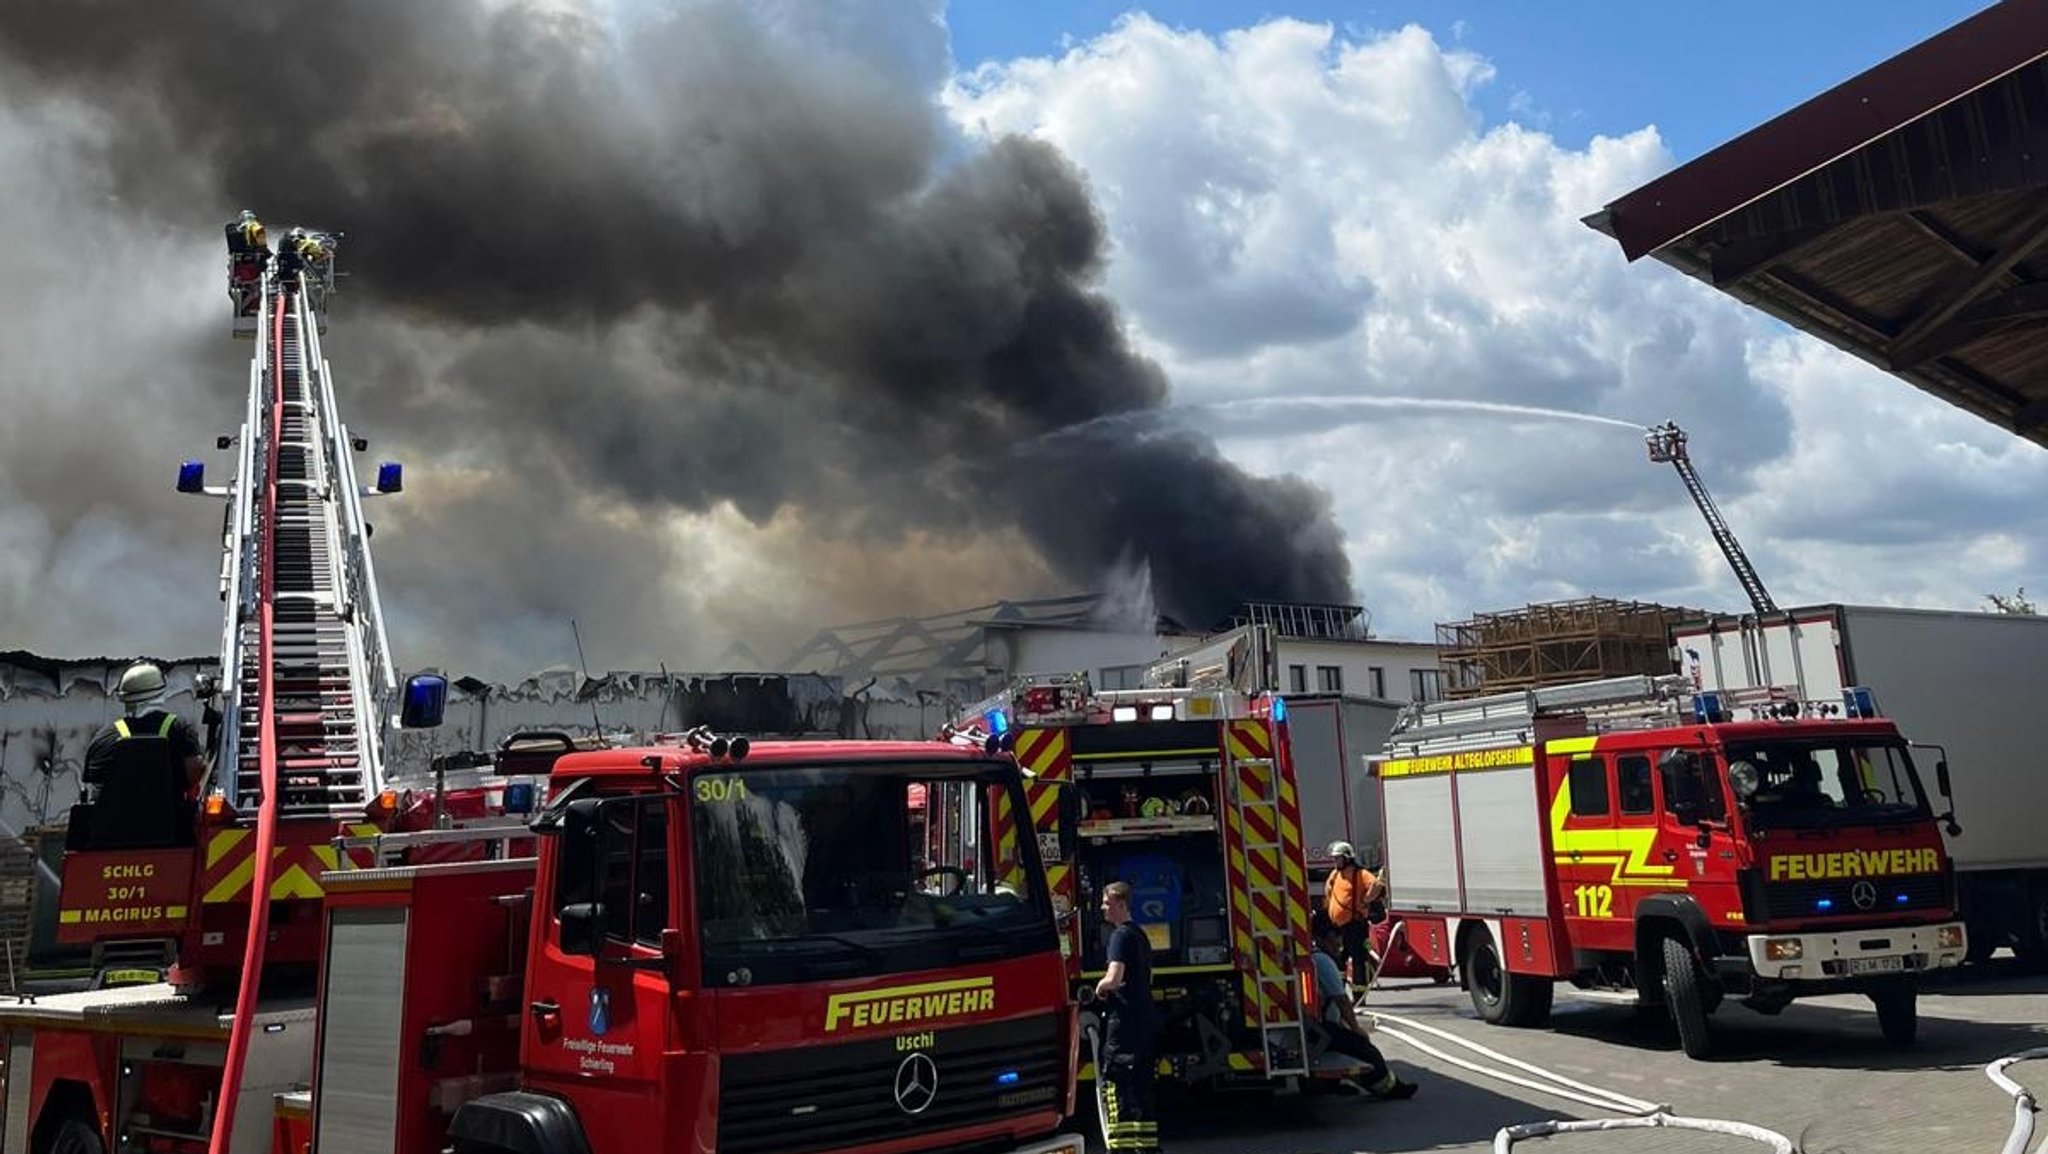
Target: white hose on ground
1628,1105
1597,1100
1509,1135
1644,1114
2023,1101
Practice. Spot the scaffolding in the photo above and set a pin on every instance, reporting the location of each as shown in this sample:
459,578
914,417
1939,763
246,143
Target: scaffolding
1556,643
1308,621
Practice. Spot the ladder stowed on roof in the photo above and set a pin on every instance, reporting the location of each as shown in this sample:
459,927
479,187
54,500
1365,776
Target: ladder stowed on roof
1476,722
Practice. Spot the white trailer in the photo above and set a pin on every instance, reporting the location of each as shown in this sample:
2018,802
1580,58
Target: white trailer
1331,734
1967,683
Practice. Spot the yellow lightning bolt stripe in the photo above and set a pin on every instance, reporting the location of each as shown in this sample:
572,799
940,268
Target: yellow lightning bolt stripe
1626,849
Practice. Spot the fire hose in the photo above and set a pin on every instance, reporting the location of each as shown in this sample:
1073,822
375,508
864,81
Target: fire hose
1640,1114
2024,1104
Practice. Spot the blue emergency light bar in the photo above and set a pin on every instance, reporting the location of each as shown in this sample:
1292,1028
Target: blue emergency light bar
1706,708
1279,709
998,722
192,477
1859,701
390,477
519,797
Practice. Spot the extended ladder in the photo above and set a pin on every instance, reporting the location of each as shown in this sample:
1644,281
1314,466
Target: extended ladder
331,675
1255,788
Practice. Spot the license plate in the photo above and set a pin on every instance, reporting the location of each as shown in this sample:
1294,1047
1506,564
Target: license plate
1876,965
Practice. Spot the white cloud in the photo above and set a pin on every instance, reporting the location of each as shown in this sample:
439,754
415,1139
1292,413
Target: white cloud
1302,213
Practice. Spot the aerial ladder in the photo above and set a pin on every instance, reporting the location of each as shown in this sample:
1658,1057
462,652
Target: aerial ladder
1666,443
231,899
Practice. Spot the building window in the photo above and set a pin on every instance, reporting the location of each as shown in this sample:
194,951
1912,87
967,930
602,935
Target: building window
1376,681
1329,679
1297,679
1122,677
1425,685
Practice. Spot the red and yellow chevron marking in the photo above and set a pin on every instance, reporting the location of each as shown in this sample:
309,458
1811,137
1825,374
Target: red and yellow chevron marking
1003,833
1293,861
1047,754
1248,739
1240,914
295,868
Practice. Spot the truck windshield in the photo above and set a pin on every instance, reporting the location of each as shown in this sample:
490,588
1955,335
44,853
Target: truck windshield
1805,784
806,873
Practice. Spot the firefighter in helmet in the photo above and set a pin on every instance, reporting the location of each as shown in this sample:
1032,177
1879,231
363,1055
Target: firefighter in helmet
1348,896
248,253
143,765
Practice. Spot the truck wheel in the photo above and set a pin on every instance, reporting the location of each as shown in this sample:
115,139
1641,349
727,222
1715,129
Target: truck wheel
1682,995
73,1136
1898,1013
1503,999
2032,946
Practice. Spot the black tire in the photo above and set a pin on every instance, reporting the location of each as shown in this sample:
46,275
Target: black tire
1503,999
1898,1013
1982,944
73,1136
2032,946
1683,999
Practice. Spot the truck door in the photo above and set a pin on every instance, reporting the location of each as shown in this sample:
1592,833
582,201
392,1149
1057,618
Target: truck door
1646,833
1587,848
597,1024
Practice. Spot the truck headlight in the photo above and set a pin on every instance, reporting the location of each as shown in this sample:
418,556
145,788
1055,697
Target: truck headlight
1783,949
1949,938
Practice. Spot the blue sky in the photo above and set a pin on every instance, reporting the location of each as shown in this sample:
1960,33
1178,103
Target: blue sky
1700,73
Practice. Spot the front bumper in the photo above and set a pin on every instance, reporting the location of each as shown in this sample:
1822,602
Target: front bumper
1847,955
1058,1144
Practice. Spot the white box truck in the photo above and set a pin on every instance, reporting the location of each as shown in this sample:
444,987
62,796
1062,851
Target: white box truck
1966,683
1331,734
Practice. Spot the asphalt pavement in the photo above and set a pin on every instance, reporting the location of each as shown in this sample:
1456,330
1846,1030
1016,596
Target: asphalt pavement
1819,1073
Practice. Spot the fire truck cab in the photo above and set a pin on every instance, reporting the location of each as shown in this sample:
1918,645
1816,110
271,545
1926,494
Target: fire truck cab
745,949
1634,837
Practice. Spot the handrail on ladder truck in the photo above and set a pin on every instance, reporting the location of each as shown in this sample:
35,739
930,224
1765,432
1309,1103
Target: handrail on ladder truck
266,817
335,578
1666,443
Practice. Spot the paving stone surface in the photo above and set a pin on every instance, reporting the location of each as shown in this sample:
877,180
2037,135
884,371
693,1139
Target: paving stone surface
1819,1073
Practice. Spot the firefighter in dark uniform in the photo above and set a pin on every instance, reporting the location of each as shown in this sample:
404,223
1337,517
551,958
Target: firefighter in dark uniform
1125,994
143,766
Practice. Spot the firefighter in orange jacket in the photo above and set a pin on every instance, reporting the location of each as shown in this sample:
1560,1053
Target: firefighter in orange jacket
1348,896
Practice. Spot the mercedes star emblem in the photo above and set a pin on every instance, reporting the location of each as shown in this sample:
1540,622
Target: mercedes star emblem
917,1083
1863,894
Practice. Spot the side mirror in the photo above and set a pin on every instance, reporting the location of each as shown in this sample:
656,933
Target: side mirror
1941,781
426,701
582,928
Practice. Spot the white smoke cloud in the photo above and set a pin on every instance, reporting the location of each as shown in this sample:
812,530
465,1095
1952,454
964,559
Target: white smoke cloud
1300,215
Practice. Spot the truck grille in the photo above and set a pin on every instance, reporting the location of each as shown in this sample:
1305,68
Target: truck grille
1835,897
791,1101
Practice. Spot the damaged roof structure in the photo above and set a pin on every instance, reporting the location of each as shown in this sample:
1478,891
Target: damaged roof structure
1900,216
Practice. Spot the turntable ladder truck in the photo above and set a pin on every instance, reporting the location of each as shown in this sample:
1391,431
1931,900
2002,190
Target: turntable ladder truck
192,931
729,1001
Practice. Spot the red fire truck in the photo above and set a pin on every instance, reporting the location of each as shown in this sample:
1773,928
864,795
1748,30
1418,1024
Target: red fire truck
692,946
1186,791
1637,838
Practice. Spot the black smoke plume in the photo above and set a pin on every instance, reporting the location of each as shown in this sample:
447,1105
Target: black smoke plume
711,254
